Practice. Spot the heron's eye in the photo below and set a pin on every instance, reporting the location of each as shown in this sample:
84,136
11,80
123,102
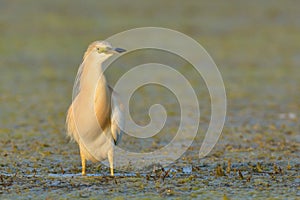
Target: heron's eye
101,50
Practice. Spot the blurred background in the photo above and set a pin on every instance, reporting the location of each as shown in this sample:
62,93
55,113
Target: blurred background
255,44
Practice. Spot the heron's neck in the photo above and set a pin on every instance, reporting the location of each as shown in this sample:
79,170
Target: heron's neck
92,77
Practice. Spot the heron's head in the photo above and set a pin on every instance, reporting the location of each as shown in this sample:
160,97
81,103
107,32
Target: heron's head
102,50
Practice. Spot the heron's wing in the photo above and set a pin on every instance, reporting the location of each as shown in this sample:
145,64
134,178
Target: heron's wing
76,87
117,117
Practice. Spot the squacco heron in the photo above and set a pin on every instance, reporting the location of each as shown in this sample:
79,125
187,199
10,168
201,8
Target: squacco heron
96,116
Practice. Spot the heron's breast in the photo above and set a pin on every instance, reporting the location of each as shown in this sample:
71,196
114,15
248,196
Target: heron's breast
102,106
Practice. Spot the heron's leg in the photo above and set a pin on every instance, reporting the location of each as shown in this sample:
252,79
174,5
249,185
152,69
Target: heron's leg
111,161
82,162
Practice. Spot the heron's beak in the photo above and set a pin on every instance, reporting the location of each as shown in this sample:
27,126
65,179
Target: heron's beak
119,50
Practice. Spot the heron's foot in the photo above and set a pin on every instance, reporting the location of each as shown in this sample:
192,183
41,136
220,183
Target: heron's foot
83,163
111,162
111,171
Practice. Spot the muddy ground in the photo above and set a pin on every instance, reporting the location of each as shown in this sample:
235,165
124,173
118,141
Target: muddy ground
256,47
